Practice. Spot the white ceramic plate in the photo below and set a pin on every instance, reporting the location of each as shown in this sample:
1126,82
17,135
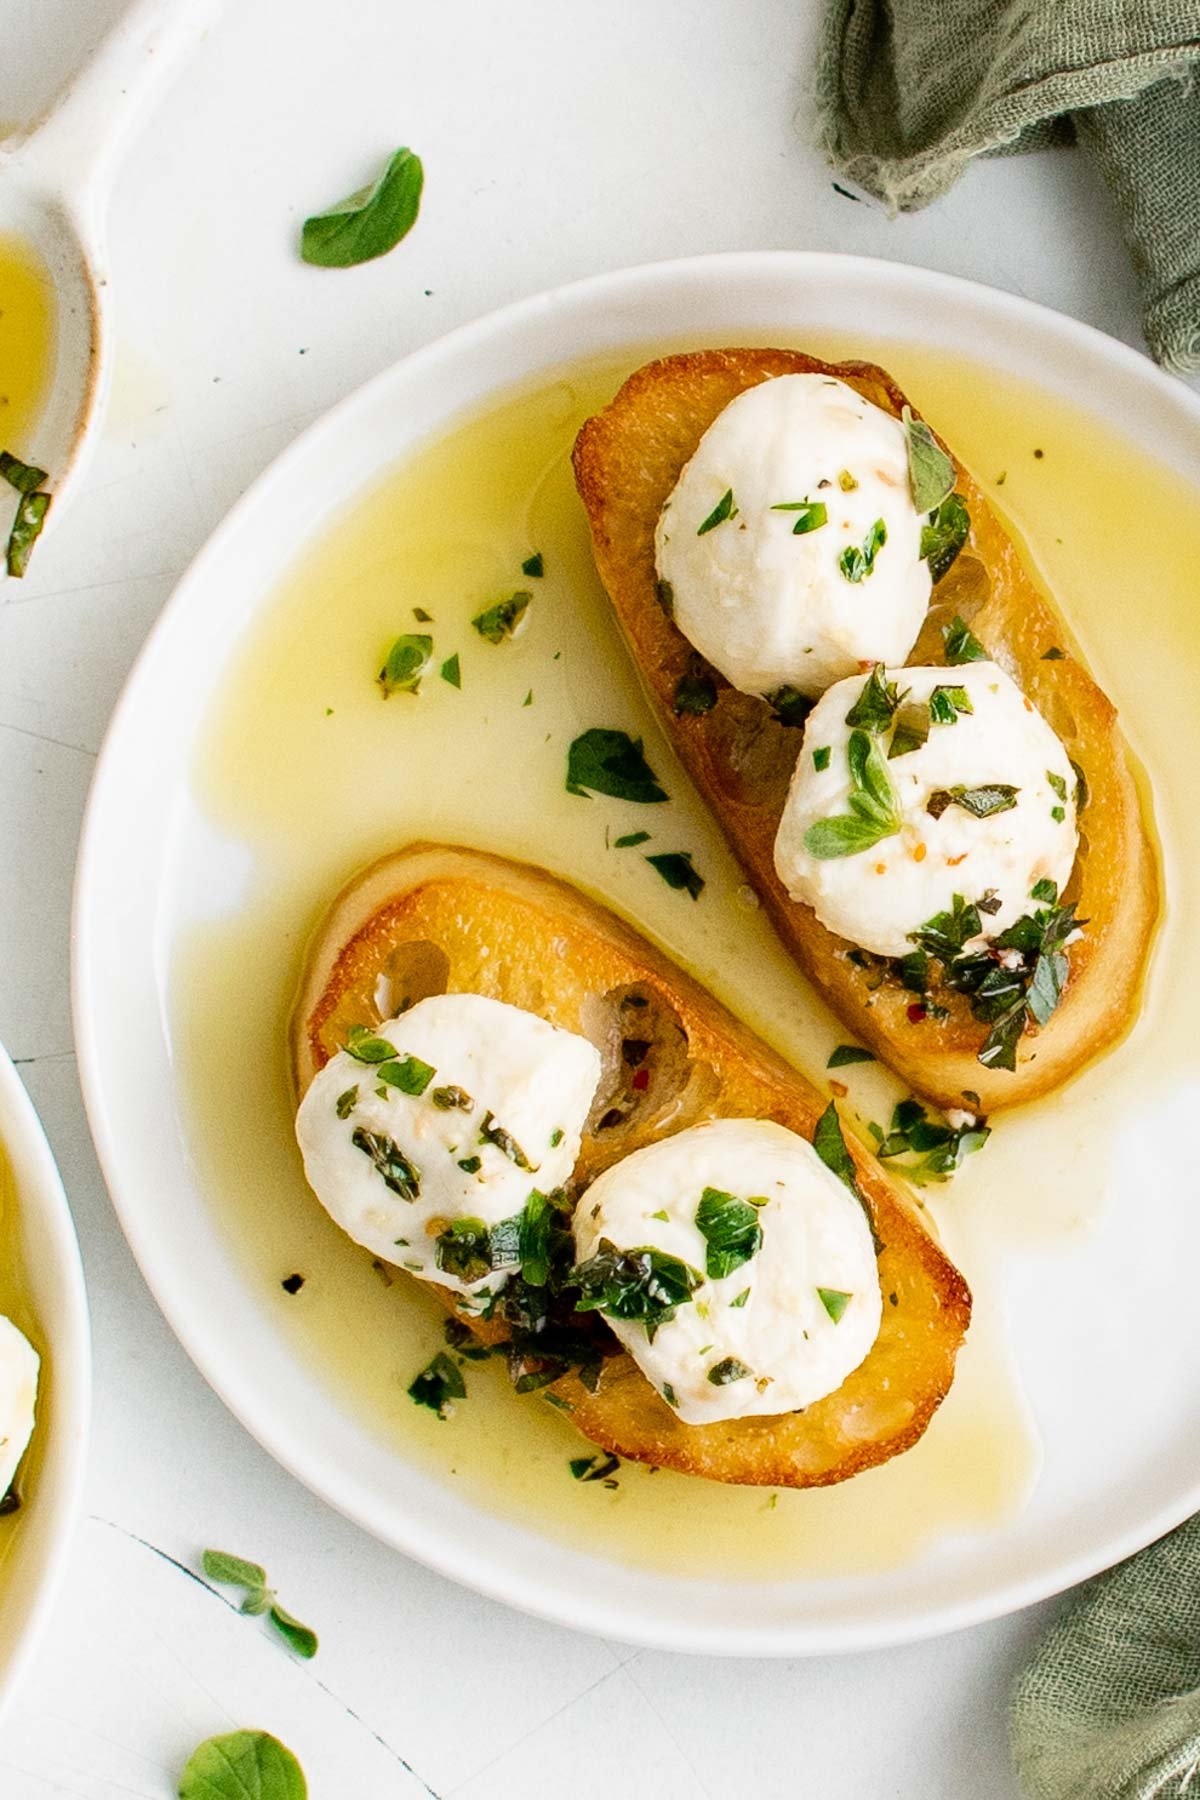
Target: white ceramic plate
57,1322
1116,1422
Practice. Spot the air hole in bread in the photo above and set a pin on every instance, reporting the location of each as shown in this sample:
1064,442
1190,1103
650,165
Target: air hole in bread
650,1083
413,971
1059,717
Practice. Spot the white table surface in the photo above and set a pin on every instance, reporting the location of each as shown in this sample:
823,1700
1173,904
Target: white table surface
558,140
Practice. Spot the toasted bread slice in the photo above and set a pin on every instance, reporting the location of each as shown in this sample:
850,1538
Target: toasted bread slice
435,920
627,460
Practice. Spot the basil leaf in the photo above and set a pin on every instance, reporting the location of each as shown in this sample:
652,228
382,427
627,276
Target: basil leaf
828,839
791,707
821,757
446,1099
500,621
642,1283
876,705
811,515
727,1370
407,662
491,1133
25,477
845,1054
1058,783
439,1382
464,1249
940,1148
611,762
724,509
731,1230
543,1227
999,1049
944,536
392,1166
1045,889
946,933
1046,987
856,564
962,646
945,704
830,1146
451,671
300,1638
346,1102
233,1571
930,470
242,1765
834,1301
26,529
534,566
675,867
410,1075
695,691
371,221
912,729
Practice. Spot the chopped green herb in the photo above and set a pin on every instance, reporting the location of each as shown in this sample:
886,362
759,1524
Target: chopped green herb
731,1230
534,566
630,839
834,1301
791,707
242,1765
821,757
946,933
642,1283
846,481
470,1165
874,808
980,802
741,1298
912,729
1058,814
695,691
464,1249
491,1133
855,563
394,1168
556,1138
664,593
409,1074
407,663
945,704
542,1226
830,1146
675,867
369,222
930,470
528,700
439,1382
940,1148
727,1370
875,707
668,1391
234,1571
810,515
346,1102
1045,890
421,616
962,646
611,762
845,1054
724,509
291,1284
25,477
365,1047
26,529
1053,654
495,623
944,536
593,1468
449,1099
1057,783
451,671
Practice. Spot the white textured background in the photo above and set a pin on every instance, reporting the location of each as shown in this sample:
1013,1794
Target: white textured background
558,140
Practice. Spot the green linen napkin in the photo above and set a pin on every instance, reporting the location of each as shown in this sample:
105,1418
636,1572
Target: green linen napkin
1108,1707
909,91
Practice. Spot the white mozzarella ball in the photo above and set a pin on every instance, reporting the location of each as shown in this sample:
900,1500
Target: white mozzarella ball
786,1323
499,1103
773,609
878,895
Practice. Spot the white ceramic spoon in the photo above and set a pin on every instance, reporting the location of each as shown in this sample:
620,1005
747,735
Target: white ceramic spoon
55,181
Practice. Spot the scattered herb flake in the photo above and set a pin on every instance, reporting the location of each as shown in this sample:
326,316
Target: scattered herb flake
25,477
727,1370
371,221
821,757
962,646
439,1382
630,839
945,704
675,867
409,1074
855,563
26,529
365,1047
642,1283
451,671
930,470
504,618
393,1167
730,1229
944,536
611,762
981,802
695,691
346,1102
845,1054
407,663
291,1284
810,515
534,566
874,808
593,1468
834,1301
912,729
876,705
724,509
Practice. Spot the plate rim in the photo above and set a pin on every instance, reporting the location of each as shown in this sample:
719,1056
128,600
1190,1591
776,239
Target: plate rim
41,1196
788,1638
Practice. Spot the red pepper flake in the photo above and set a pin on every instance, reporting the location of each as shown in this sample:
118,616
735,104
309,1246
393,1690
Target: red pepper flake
839,1088
916,1013
641,1080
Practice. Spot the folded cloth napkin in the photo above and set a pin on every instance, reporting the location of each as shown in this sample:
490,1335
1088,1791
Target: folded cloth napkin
910,90
1108,1707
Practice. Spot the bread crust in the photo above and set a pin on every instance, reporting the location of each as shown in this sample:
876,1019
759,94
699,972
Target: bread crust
627,460
433,919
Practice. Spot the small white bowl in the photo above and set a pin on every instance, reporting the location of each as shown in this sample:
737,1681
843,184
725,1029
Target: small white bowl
31,1572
